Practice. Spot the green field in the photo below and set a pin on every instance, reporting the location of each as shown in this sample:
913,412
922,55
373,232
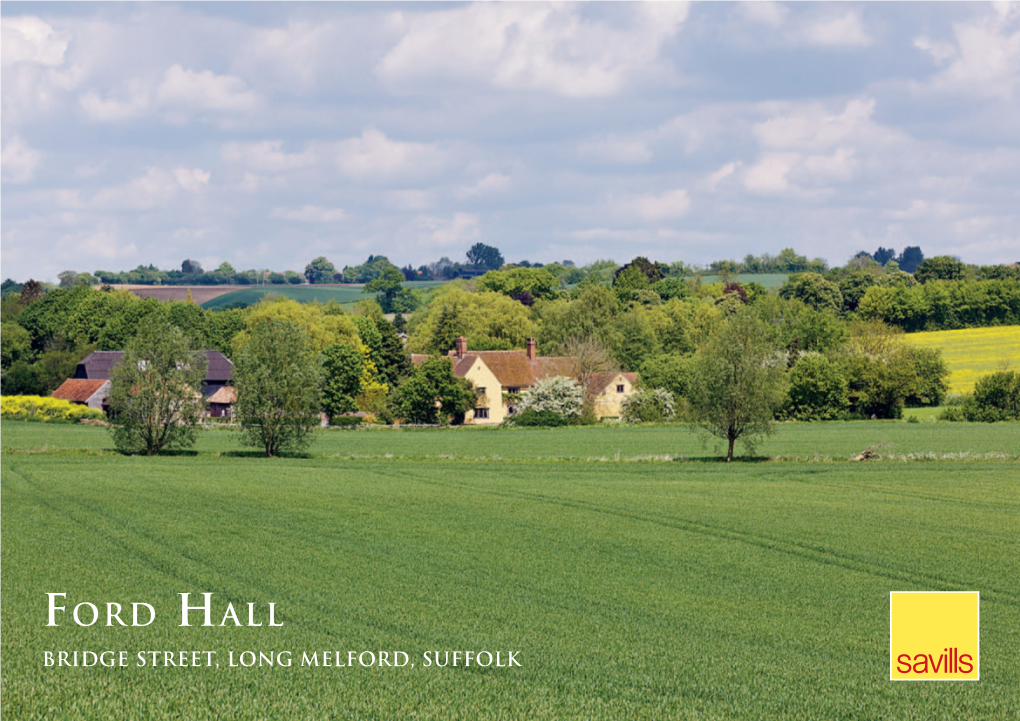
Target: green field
629,586
973,352
348,294
769,280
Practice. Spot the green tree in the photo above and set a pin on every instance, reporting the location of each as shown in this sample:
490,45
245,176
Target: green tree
320,270
814,290
391,295
433,394
277,376
818,390
343,365
941,267
484,256
155,392
739,383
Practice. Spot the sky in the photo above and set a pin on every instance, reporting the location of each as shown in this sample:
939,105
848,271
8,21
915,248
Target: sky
267,134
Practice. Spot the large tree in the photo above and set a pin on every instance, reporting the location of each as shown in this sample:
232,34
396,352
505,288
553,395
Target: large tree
739,382
484,256
277,375
320,270
155,392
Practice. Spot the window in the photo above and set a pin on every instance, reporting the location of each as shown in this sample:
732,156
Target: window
481,390
481,412
513,390
619,388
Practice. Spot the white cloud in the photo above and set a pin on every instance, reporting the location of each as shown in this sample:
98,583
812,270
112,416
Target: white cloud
115,110
985,59
308,214
813,128
27,39
204,90
769,174
156,189
764,12
713,180
191,179
19,161
846,31
655,207
617,149
491,184
268,156
461,229
374,156
531,46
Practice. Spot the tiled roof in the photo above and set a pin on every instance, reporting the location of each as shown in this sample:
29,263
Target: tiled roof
511,367
600,381
224,395
97,365
77,390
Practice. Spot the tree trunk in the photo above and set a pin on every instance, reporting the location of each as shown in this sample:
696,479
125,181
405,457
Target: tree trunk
729,456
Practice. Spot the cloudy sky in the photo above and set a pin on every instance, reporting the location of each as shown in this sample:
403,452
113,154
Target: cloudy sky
267,134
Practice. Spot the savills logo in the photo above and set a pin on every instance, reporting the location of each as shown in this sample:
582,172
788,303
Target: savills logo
934,636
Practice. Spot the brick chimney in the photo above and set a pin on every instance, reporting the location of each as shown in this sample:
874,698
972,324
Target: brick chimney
531,349
460,346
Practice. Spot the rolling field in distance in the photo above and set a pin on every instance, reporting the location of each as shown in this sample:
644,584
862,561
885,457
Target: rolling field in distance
349,294
836,441
628,590
973,352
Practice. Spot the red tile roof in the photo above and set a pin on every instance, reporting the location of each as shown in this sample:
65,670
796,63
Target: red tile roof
77,391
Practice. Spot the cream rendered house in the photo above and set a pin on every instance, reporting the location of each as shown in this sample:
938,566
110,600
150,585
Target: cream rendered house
501,375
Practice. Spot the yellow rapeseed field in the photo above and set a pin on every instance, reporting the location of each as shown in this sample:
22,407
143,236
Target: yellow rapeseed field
973,352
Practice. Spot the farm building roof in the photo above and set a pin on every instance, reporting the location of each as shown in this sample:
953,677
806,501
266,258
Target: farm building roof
224,395
98,365
78,390
513,368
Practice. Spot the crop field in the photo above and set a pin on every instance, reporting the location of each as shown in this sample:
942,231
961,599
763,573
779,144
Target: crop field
973,352
769,280
348,294
627,587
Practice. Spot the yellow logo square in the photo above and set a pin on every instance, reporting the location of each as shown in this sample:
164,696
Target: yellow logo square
934,635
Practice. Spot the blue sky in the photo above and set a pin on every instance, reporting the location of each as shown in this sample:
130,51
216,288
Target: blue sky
267,134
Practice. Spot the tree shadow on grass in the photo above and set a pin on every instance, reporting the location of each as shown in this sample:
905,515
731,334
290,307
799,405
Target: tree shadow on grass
722,459
262,454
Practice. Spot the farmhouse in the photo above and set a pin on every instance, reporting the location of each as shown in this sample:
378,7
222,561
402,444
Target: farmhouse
98,365
500,376
91,393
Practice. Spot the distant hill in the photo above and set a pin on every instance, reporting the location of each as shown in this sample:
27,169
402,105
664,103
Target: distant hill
344,294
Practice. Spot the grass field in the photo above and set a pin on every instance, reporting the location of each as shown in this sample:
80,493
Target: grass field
348,294
973,352
769,280
627,589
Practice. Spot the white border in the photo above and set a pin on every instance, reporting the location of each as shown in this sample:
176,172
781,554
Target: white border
977,661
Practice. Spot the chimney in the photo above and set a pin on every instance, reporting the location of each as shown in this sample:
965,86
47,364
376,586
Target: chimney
531,349
461,346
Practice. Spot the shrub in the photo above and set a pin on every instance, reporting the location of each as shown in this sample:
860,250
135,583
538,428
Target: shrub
818,390
547,419
559,395
46,410
649,406
996,397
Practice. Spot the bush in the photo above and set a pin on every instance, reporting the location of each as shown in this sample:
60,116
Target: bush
344,421
649,406
996,397
531,419
46,410
559,395
818,390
